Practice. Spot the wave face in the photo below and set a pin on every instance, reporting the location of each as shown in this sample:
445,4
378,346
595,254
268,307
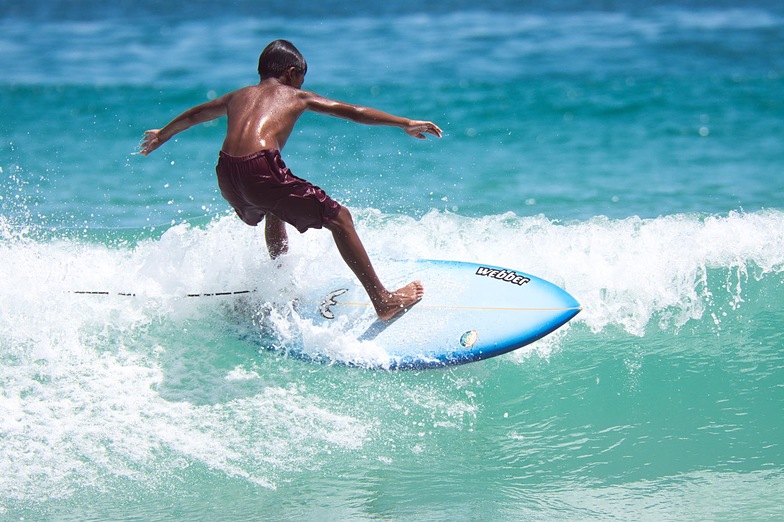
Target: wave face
669,375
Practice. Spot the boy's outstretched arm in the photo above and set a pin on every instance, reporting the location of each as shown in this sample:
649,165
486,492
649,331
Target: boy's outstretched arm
369,116
205,112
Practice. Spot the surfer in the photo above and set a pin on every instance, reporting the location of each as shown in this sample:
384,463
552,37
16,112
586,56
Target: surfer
253,178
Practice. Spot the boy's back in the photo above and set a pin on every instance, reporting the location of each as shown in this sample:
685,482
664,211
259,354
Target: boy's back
261,117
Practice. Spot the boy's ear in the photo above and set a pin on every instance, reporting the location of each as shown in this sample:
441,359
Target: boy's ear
288,75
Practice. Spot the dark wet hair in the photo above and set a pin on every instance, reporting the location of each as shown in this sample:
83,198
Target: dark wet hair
277,57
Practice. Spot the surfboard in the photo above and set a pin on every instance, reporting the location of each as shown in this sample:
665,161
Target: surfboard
469,312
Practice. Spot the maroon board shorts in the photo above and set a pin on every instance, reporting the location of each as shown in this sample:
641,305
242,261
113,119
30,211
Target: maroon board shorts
260,183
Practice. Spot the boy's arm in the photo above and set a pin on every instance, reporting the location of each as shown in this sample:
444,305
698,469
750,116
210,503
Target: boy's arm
205,112
369,116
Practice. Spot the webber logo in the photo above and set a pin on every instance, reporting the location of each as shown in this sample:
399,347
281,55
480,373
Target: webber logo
509,276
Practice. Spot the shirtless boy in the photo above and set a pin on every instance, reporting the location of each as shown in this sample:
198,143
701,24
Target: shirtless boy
254,180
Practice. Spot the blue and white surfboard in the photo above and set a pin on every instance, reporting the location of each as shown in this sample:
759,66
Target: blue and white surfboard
469,312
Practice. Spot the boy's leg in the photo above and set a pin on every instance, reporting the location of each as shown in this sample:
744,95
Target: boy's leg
387,304
276,236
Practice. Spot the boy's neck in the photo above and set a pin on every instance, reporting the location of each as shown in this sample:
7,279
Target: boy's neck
271,79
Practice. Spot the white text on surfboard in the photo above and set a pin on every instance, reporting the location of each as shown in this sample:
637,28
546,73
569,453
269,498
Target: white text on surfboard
510,276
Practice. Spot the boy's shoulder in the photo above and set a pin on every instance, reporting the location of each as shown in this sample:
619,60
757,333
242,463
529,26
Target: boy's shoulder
264,97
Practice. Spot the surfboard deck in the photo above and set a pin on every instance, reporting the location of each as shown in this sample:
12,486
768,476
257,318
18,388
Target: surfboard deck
469,312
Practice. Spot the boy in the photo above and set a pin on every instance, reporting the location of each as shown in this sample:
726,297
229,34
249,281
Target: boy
254,180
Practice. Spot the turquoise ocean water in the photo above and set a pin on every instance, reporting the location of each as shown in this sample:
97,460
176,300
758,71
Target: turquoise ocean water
629,153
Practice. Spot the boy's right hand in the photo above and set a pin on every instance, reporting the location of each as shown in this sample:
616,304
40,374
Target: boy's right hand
417,129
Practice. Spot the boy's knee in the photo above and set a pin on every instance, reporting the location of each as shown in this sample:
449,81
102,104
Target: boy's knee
342,220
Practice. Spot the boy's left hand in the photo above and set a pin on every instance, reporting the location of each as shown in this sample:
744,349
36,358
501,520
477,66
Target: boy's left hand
150,142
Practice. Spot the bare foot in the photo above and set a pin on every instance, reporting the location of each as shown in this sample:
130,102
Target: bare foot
399,301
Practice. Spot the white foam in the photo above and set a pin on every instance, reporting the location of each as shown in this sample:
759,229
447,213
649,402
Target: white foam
81,375
623,272
84,379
